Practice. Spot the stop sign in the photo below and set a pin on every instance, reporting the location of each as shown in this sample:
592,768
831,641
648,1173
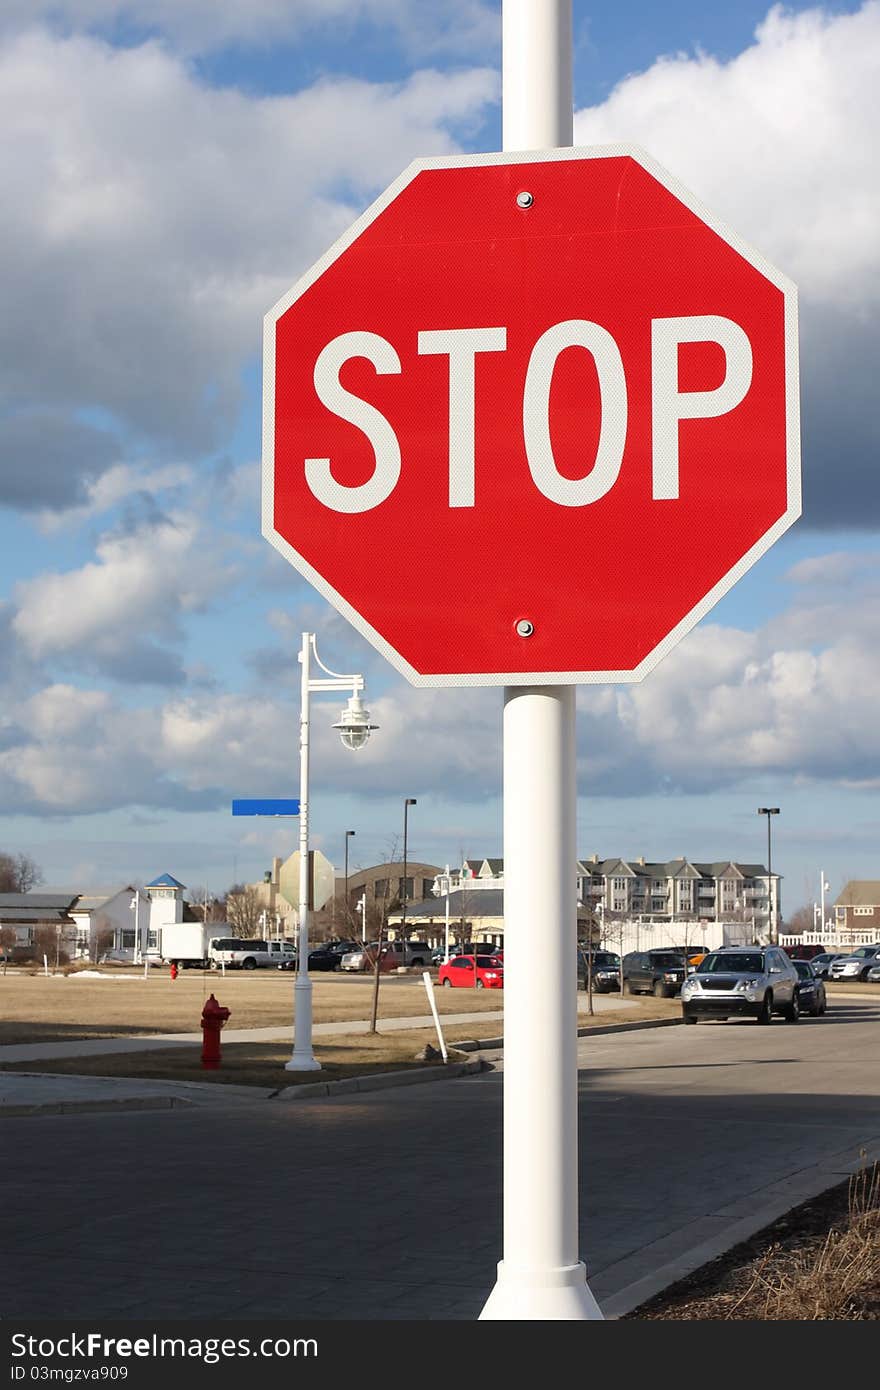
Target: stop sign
531,417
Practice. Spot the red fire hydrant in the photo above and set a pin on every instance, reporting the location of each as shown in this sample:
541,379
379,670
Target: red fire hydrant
213,1018
174,970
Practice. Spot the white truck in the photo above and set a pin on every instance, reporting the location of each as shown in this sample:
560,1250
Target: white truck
237,953
189,945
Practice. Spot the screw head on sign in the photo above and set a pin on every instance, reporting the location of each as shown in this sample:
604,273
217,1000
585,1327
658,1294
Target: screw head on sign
524,199
524,628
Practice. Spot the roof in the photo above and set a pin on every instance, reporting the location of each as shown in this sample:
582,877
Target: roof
859,892
164,881
489,902
32,916
37,901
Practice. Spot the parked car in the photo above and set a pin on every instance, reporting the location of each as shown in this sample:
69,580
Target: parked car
659,972
606,970
363,957
737,981
856,965
821,963
811,989
326,955
459,971
874,975
800,952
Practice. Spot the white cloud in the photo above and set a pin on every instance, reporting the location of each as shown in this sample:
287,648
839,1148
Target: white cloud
150,220
725,707
119,482
136,591
781,141
458,26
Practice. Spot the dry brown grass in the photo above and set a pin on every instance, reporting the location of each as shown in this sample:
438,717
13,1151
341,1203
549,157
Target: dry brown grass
36,1008
818,1263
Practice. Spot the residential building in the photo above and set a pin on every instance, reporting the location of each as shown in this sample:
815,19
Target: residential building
681,890
857,912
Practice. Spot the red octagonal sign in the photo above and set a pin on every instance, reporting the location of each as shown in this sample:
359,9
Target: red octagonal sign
531,417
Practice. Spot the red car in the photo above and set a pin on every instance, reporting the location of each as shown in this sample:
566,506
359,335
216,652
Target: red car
460,971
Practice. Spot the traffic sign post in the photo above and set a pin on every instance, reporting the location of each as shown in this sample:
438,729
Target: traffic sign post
578,389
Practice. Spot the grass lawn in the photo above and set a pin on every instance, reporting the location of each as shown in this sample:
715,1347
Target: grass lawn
56,1008
36,1008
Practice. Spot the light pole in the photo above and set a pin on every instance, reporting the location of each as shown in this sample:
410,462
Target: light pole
133,905
446,880
354,729
348,835
410,801
362,905
824,885
769,811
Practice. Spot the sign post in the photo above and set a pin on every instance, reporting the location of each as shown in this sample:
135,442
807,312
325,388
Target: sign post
540,1275
582,387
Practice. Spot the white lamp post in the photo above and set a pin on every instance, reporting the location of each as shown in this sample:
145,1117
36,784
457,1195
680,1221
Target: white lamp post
134,905
773,933
362,907
446,879
354,729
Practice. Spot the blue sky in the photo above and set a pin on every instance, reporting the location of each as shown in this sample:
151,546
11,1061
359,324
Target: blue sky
170,168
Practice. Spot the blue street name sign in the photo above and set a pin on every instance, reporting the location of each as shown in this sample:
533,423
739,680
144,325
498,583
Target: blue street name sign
266,808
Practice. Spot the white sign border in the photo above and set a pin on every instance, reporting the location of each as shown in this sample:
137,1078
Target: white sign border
736,572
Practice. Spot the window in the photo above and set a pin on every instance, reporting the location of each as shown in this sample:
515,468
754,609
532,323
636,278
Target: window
864,912
380,887
406,887
153,939
619,885
126,940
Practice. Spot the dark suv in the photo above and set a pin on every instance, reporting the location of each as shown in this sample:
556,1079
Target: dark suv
654,972
605,971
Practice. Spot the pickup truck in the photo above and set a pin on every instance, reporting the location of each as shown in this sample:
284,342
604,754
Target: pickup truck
235,953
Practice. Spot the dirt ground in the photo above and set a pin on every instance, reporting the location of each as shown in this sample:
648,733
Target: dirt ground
819,1262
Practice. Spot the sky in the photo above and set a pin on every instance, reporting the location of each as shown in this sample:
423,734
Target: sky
170,168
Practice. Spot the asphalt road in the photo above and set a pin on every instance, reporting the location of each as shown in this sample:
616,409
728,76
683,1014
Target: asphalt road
388,1205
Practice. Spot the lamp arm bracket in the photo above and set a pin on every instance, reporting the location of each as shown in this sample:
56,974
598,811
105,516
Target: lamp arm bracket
355,682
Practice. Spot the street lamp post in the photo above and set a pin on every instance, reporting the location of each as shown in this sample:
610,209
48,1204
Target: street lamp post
446,880
409,801
134,905
354,729
769,811
362,905
348,835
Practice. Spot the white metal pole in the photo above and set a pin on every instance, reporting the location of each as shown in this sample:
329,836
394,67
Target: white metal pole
540,1276
137,940
448,882
429,989
303,1058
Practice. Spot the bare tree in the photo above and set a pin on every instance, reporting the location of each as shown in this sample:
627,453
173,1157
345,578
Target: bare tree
210,907
244,910
18,873
48,941
800,921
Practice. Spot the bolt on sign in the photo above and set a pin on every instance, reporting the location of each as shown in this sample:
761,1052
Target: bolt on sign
531,417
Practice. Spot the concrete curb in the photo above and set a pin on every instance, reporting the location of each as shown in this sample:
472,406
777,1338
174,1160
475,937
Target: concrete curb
96,1106
379,1081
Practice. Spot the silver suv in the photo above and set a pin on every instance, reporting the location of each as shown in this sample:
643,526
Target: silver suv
742,981
855,966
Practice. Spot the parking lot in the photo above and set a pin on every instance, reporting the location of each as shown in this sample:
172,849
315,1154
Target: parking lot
388,1205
